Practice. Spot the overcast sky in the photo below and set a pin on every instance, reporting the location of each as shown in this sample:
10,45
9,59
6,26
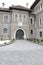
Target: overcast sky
16,2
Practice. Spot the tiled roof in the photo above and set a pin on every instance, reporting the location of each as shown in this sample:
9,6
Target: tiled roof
34,4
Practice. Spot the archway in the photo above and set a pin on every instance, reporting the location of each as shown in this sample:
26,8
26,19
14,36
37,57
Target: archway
19,34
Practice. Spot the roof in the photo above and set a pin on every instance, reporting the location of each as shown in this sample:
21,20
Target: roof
18,7
5,10
34,4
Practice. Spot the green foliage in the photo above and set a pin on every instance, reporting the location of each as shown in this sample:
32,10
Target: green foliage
34,39
38,40
42,40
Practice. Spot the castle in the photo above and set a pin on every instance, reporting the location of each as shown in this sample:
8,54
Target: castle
18,22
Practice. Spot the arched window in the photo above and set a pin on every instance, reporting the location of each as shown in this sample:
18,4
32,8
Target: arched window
31,31
5,30
6,18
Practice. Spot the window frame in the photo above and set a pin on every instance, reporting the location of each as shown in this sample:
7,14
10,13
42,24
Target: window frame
32,20
16,17
4,16
24,18
5,32
40,33
20,17
31,31
40,22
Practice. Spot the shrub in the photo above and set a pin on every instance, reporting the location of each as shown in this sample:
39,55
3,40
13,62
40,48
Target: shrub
27,39
34,39
38,40
5,43
42,40
1,39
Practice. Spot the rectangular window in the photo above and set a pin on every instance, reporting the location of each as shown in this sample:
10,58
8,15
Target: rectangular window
40,33
5,30
20,17
6,18
16,16
31,21
40,21
41,6
24,17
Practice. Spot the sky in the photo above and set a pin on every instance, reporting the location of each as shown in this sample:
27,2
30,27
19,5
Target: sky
16,2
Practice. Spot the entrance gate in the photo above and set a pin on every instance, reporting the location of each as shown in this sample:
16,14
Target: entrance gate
19,34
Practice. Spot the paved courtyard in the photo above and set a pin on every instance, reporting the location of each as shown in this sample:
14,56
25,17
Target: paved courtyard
21,52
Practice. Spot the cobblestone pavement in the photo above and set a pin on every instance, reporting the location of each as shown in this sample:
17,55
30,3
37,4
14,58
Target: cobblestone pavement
21,52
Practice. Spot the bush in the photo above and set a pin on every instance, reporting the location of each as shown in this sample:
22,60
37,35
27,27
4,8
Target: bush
27,39
5,43
1,39
42,40
34,39
38,40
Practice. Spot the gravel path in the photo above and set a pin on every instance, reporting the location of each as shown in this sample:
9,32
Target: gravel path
21,52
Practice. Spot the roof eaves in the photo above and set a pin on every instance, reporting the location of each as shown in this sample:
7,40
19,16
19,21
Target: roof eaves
34,4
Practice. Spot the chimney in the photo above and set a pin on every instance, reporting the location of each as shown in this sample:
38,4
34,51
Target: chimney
3,4
12,5
27,5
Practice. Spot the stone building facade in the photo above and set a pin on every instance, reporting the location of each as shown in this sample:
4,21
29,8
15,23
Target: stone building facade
18,22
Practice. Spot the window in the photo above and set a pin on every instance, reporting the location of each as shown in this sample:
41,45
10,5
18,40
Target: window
24,17
41,5
40,33
31,20
20,17
6,18
16,17
5,30
40,21
31,31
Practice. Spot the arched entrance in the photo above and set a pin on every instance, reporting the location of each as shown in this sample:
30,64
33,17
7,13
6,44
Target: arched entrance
19,34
